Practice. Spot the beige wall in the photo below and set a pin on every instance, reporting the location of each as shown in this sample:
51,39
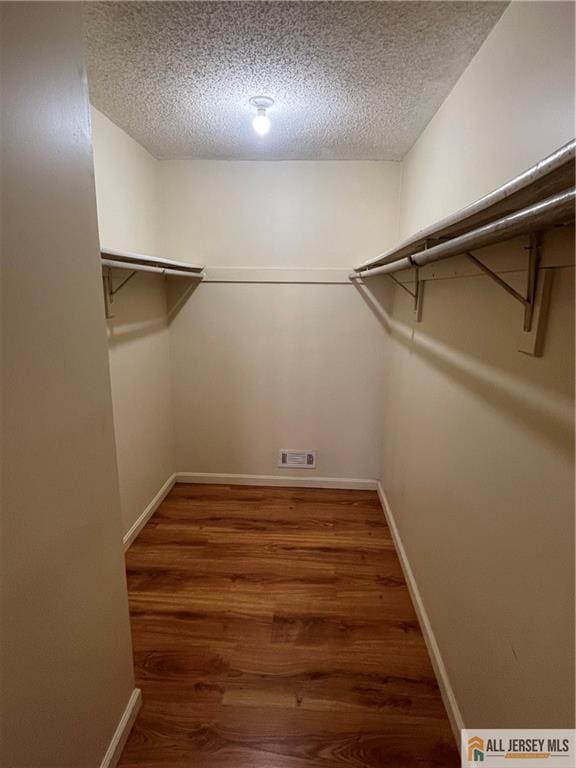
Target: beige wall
66,655
277,214
242,215
478,448
513,105
139,354
245,214
257,367
126,190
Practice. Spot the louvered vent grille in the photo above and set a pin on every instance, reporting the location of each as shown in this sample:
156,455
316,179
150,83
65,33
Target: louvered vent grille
297,459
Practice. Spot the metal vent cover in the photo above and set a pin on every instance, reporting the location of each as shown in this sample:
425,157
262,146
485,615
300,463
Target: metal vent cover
297,459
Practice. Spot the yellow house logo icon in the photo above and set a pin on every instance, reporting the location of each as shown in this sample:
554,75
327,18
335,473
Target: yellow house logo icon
475,749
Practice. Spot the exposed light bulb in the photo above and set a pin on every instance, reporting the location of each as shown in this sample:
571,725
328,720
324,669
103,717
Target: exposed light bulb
261,122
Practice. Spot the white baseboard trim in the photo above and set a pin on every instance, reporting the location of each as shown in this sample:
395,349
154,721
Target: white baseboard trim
123,730
446,690
148,512
214,478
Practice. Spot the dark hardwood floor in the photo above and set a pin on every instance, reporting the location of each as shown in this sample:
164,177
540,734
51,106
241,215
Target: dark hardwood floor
273,628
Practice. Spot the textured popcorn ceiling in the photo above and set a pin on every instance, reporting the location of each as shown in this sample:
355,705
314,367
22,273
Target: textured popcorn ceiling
351,80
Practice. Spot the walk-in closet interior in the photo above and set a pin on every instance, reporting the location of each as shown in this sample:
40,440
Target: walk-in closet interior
287,381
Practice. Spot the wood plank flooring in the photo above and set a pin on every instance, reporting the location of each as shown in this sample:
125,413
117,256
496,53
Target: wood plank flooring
273,628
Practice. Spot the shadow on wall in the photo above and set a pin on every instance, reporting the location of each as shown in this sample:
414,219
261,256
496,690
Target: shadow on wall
468,332
178,291
140,308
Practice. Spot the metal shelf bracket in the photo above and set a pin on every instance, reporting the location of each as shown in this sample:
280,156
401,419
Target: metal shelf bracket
417,295
110,291
536,300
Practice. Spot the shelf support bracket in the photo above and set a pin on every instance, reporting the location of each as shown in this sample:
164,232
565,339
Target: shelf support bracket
110,291
417,295
533,270
498,280
401,285
418,298
537,297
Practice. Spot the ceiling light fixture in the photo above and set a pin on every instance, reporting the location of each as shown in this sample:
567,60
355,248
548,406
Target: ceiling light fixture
261,123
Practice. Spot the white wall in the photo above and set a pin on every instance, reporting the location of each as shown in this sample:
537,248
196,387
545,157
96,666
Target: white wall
126,190
478,455
66,653
257,367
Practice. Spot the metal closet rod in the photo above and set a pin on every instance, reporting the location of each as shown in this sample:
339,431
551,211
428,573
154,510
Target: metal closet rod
134,267
557,209
551,175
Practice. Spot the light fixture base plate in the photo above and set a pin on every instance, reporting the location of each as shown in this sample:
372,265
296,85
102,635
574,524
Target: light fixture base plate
261,102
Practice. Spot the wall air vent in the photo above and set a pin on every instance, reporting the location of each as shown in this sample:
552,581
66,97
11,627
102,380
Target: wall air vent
297,459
